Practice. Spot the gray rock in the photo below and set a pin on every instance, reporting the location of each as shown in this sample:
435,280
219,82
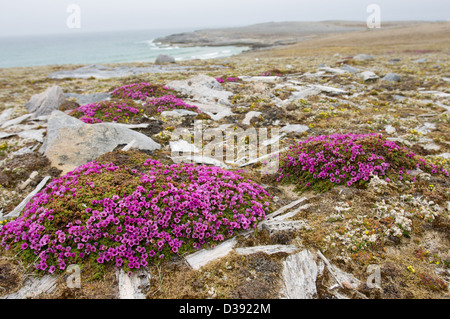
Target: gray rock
70,142
444,155
103,72
390,129
177,113
349,68
363,57
249,116
392,77
396,60
368,75
328,89
399,97
88,98
5,135
295,128
203,88
263,79
37,135
333,70
164,58
215,111
6,115
303,92
421,60
431,147
183,147
16,120
46,102
426,128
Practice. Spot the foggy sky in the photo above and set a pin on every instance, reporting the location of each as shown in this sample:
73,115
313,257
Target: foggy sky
29,17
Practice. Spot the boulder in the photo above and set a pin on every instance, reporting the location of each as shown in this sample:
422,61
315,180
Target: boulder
164,58
46,102
368,75
392,77
70,142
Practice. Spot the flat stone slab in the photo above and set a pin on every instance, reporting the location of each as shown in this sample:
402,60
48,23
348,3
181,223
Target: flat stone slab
70,142
268,79
6,115
204,89
183,147
104,72
295,128
37,135
333,70
215,111
16,120
177,113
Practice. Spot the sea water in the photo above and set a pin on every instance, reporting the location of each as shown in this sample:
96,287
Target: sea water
97,48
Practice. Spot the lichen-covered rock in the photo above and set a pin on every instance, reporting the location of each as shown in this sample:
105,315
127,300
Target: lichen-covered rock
46,102
70,142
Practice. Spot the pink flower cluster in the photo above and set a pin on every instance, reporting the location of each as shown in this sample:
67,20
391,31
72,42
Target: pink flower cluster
104,111
170,102
348,159
140,91
228,79
171,209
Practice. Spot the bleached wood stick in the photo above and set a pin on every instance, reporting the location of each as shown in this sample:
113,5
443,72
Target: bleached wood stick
21,206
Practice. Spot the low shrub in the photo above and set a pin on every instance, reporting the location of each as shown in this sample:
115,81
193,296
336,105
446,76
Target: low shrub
101,213
224,79
321,162
120,111
141,91
168,102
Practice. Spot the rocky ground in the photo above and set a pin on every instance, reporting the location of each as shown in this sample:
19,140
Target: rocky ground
269,34
313,245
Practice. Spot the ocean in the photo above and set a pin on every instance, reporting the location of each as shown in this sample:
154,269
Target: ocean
102,47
